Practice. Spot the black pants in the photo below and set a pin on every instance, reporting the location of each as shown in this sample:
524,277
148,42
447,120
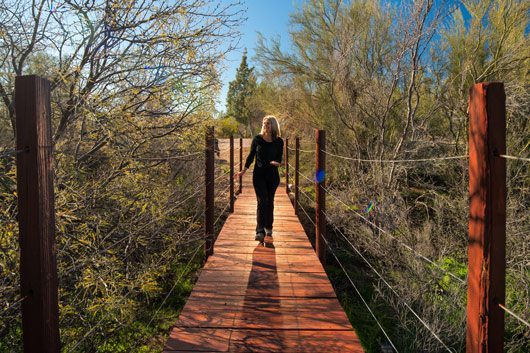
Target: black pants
265,183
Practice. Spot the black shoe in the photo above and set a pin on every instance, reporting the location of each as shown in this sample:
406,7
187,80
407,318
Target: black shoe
260,237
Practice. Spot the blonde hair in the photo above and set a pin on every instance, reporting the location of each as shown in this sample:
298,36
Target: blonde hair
275,126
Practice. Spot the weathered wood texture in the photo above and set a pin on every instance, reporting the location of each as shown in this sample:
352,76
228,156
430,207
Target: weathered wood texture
320,194
251,298
286,162
232,199
36,216
487,218
209,183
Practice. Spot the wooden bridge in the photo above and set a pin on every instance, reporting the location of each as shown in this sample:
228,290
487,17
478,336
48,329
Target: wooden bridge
251,298
276,298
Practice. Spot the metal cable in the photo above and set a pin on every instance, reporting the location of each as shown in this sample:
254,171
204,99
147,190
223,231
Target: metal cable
167,158
514,315
222,213
389,286
301,150
127,294
224,190
11,152
12,305
186,232
306,195
307,178
359,294
177,282
70,270
514,158
306,151
303,209
396,160
171,291
390,235
408,247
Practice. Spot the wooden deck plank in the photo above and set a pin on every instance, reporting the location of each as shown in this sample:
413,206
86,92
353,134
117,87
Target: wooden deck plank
250,298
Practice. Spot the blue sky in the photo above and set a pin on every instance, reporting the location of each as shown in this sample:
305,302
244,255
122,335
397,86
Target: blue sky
269,17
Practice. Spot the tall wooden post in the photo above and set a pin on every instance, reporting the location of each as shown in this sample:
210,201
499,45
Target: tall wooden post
320,194
36,216
209,192
287,166
296,171
487,218
231,173
240,164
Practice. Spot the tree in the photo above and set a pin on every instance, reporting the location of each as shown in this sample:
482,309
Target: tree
239,92
132,82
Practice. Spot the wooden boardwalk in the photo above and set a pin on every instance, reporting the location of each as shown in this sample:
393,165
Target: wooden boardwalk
251,298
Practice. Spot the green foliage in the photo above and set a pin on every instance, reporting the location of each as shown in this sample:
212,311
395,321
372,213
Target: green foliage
226,126
239,93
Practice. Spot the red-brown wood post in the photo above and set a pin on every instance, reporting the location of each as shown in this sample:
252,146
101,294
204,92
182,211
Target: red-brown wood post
209,194
296,171
320,195
487,218
36,216
231,173
240,164
287,166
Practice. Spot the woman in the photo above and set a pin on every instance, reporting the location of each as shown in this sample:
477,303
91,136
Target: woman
267,148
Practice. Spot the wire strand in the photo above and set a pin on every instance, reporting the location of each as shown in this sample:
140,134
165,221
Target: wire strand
389,286
514,315
301,150
12,305
222,213
359,294
396,160
168,157
11,152
406,246
514,158
307,215
169,293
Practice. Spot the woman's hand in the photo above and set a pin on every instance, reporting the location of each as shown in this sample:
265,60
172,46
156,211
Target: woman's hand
241,173
276,164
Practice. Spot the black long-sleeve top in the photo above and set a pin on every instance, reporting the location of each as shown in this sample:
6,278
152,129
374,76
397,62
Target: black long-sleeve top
265,152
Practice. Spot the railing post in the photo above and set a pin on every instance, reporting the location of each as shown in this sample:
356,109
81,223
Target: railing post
287,166
487,218
320,195
296,171
36,216
209,194
240,164
231,173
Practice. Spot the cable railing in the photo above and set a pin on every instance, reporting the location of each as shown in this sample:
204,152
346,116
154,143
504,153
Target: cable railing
487,187
351,281
514,158
86,255
407,305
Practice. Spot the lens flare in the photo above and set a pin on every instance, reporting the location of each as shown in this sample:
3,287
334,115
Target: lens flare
320,176
369,207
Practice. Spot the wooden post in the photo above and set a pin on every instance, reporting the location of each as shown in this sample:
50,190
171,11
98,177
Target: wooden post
287,166
296,171
240,164
231,173
209,194
320,195
36,216
487,218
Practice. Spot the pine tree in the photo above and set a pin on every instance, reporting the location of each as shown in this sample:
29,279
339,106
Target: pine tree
239,92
